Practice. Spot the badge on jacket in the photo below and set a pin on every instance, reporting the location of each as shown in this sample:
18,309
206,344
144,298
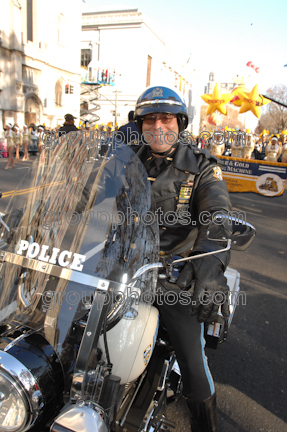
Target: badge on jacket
217,173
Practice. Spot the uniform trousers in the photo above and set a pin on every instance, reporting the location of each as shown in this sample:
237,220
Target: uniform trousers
186,335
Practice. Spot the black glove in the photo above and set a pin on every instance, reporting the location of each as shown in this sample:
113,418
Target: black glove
210,289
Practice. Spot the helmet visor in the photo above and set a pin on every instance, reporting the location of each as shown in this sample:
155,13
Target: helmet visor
158,106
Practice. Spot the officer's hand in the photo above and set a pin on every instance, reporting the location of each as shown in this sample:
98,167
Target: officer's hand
210,289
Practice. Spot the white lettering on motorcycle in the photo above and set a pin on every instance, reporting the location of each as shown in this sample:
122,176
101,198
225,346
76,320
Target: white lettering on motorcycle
64,258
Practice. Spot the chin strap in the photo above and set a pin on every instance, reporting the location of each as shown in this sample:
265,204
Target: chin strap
163,154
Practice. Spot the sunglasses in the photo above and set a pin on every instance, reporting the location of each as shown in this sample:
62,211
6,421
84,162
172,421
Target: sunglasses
164,118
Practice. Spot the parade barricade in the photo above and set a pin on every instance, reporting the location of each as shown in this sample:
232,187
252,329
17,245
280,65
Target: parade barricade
251,175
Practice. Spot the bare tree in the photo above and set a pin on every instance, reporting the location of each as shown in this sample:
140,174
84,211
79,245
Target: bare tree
274,117
267,122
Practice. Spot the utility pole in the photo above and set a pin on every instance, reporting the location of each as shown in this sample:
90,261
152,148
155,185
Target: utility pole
116,106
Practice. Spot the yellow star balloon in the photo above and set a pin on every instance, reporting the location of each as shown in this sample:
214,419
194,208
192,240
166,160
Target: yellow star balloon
236,100
252,101
216,101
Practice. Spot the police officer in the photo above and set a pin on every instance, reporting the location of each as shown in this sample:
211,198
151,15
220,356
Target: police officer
188,187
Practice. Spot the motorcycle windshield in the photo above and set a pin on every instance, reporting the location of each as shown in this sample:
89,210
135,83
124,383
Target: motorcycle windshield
74,218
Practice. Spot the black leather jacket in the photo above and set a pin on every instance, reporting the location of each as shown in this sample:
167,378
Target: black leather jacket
187,233
67,129
209,195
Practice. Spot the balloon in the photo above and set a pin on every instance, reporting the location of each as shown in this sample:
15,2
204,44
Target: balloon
252,101
250,64
216,101
210,120
214,119
236,100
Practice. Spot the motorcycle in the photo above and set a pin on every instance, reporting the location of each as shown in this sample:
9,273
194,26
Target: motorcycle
81,345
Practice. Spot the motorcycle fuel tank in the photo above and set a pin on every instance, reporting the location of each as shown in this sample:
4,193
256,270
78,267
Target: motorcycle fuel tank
131,342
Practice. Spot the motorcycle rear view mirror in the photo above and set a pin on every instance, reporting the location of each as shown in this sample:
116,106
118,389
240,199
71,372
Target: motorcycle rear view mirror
242,233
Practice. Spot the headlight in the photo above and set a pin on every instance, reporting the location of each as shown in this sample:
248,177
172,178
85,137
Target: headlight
13,407
20,398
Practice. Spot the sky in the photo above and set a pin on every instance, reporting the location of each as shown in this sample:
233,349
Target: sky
218,36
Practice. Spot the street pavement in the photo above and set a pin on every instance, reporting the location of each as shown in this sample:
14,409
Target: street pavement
250,368
10,179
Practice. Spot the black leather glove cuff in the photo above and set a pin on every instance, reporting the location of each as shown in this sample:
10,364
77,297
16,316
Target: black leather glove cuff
210,288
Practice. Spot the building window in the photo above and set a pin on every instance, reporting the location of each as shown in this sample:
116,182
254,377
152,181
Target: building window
86,57
58,94
31,76
30,20
28,75
149,58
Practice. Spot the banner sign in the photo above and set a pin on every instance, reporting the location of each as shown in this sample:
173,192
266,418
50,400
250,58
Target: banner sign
250,175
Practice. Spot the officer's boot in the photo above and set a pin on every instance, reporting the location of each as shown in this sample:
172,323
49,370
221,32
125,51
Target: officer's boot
203,416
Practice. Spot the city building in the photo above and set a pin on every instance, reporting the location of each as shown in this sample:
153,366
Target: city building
224,87
39,61
121,48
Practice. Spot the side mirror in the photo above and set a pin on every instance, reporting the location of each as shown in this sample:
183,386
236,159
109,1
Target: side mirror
240,236
243,233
